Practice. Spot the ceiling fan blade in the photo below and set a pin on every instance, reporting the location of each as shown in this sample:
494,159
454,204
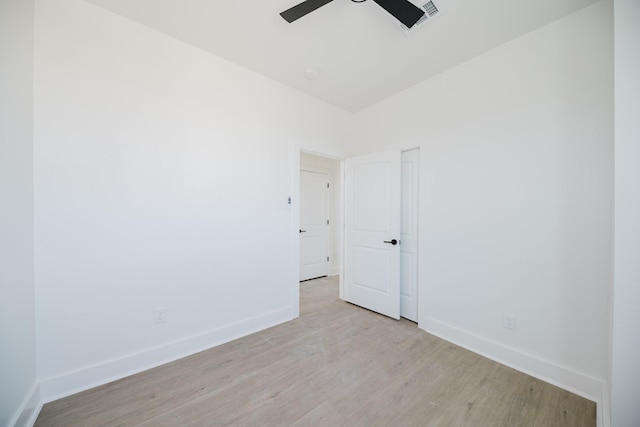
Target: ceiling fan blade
403,10
300,10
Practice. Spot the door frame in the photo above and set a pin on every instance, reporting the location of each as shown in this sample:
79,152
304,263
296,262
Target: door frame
295,151
415,210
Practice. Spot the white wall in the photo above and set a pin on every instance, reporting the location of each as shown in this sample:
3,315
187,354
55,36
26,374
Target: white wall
313,162
625,410
17,319
516,197
162,174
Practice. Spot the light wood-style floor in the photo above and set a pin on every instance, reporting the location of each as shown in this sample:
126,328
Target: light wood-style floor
337,365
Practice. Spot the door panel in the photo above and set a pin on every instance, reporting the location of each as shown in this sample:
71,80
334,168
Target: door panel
368,200
372,216
371,269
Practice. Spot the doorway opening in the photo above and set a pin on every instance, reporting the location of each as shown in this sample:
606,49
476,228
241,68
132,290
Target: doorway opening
320,216
326,255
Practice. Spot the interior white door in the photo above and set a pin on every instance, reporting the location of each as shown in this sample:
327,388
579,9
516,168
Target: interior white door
314,227
372,232
409,235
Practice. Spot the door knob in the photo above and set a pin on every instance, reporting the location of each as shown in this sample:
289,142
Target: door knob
303,231
393,242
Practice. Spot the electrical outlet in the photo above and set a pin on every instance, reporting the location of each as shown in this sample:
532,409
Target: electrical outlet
509,321
159,315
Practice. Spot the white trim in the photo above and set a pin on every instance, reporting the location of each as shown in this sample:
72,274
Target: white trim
315,169
560,376
29,410
340,226
604,409
412,313
294,235
72,382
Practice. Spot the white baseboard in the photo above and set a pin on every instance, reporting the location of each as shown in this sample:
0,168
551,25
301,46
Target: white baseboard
69,383
560,376
29,410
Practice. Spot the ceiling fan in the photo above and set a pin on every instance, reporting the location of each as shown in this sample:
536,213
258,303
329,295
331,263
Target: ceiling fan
403,10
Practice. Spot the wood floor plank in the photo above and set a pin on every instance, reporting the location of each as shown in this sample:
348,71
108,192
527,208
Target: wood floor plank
336,365
271,384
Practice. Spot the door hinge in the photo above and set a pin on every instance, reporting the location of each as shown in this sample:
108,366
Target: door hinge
327,222
327,259
327,185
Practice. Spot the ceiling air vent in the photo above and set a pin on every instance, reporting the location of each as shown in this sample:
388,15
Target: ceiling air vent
431,9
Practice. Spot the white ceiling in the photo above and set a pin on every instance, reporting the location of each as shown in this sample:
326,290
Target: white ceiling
359,50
